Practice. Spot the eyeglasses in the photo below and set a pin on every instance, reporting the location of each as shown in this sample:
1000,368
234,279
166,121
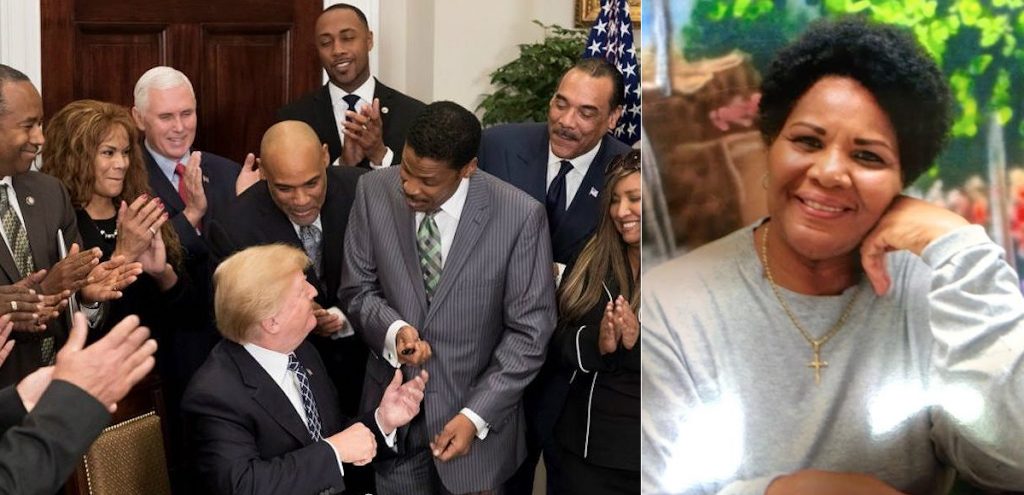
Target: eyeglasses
629,161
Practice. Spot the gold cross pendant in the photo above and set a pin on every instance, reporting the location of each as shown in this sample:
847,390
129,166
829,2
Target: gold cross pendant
817,364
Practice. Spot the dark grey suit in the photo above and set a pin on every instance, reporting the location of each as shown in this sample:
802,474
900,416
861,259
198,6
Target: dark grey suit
50,209
488,323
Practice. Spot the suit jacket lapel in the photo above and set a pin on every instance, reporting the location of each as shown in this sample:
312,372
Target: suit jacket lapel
471,225
268,394
34,225
323,118
583,204
333,240
529,170
384,94
405,222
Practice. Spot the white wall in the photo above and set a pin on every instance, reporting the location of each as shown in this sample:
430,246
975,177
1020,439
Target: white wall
446,49
20,38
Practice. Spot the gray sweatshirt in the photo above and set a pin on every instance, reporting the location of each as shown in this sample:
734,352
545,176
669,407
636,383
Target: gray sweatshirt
921,381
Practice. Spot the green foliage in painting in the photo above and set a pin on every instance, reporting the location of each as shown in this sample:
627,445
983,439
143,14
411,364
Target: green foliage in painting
525,85
975,43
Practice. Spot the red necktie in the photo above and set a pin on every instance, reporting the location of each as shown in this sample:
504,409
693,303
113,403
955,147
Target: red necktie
179,170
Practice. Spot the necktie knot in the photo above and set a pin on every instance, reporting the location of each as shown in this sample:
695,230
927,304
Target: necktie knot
351,100
311,237
565,168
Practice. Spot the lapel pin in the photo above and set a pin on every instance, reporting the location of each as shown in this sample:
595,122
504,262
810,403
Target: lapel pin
29,200
593,191
383,109
309,371
206,180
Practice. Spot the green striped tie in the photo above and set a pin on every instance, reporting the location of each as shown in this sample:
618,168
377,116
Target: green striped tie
15,235
18,242
428,240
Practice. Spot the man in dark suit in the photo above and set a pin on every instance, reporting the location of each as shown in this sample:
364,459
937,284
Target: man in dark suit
441,259
362,121
33,208
263,412
561,164
54,414
303,200
195,188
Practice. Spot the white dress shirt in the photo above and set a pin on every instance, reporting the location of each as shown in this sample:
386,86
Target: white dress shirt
340,106
573,179
276,365
447,220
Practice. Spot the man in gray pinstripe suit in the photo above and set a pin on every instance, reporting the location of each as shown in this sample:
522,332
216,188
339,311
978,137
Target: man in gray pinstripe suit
449,269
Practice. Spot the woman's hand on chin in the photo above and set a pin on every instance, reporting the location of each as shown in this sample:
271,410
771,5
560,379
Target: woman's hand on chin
909,224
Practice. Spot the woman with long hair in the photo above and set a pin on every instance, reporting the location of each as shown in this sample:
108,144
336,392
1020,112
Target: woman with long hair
92,147
598,336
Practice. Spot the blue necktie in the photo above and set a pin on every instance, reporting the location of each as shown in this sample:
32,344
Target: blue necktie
308,402
556,196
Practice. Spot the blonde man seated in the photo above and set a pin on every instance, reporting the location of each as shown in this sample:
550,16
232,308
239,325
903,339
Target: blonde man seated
264,414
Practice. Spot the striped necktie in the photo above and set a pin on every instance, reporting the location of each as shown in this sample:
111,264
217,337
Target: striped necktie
306,394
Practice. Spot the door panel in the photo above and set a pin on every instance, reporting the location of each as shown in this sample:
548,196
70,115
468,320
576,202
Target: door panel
245,58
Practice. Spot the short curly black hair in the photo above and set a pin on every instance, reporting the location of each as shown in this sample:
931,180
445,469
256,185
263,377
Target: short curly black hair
887,61
447,132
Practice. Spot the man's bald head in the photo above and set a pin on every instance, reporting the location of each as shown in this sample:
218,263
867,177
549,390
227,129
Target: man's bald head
294,163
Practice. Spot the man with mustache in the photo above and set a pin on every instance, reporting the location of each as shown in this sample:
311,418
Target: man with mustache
561,164
33,208
362,121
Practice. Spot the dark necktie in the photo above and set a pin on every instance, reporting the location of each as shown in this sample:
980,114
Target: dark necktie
351,100
556,196
311,237
306,394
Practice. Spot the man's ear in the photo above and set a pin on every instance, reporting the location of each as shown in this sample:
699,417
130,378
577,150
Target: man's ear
469,169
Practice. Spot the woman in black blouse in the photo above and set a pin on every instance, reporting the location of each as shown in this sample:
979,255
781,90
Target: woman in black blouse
598,336
93,148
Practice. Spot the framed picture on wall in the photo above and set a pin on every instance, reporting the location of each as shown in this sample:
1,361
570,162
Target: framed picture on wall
587,10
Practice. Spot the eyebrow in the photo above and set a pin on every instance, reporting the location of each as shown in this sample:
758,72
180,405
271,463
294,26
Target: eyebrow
858,141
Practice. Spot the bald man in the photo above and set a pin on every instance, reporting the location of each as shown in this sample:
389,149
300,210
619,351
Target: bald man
304,204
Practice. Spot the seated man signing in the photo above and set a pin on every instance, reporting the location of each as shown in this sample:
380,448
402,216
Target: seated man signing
264,414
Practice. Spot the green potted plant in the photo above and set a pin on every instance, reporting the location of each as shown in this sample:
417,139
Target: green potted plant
525,85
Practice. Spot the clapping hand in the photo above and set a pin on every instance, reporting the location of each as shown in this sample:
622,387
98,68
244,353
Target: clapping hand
5,331
249,175
195,195
619,326
365,129
108,278
137,225
401,401
70,273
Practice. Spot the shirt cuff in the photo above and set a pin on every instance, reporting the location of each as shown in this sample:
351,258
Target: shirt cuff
346,327
389,439
390,346
389,157
337,457
481,426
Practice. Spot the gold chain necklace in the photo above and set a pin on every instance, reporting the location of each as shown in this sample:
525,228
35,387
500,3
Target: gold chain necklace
816,344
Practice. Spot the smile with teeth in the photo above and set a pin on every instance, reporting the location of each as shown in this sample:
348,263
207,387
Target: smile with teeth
821,207
630,225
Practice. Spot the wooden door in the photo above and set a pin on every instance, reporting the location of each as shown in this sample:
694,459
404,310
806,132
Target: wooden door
245,58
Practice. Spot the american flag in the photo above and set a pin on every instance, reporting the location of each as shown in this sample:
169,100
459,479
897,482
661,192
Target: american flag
611,38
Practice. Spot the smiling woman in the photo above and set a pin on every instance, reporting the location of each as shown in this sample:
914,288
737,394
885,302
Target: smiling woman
846,294
92,147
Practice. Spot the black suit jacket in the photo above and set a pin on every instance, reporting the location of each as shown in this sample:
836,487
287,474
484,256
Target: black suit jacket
247,436
197,332
255,220
38,451
518,154
397,112
48,210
